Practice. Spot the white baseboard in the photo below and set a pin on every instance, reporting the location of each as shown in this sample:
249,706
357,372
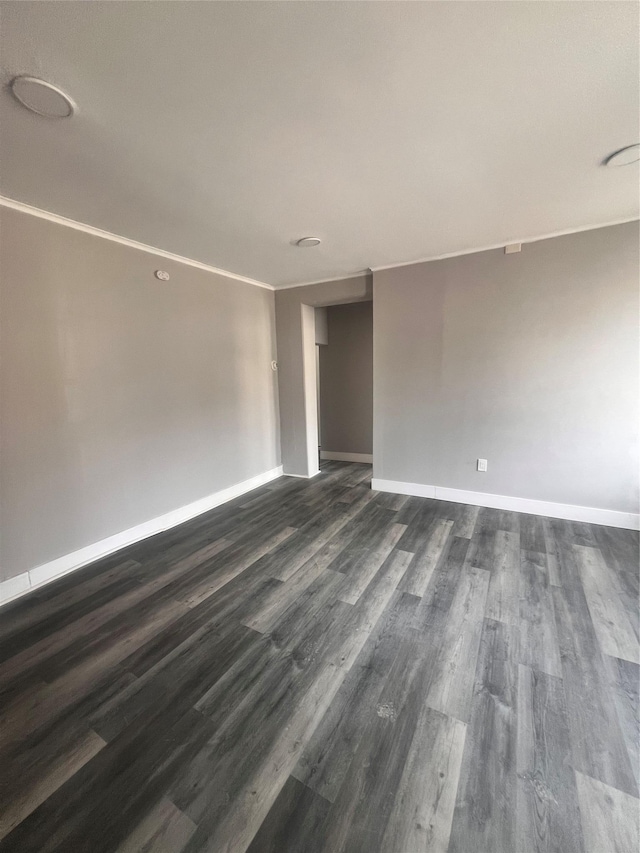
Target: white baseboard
335,456
591,515
303,476
14,587
40,575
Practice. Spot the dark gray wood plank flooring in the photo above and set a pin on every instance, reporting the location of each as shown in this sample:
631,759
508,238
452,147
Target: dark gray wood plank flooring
316,667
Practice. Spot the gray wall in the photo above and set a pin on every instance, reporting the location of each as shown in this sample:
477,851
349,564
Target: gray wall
295,321
322,331
529,360
346,380
123,397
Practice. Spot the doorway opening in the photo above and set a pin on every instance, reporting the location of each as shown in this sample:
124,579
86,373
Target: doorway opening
344,382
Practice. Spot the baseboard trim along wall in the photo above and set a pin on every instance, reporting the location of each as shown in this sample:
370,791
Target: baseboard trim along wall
41,575
335,456
591,515
303,476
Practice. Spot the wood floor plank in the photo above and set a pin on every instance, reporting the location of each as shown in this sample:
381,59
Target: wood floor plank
267,611
244,557
371,524
227,607
423,806
452,686
484,819
609,817
624,683
32,786
362,808
178,681
293,822
482,546
539,647
583,534
390,501
50,614
317,667
613,629
39,741
325,543
307,613
358,625
78,675
98,807
240,682
503,598
465,521
29,656
597,746
411,508
552,550
427,557
559,544
165,829
620,550
532,535
201,555
548,814
132,595
446,576
326,758
418,515
508,521
255,760
365,569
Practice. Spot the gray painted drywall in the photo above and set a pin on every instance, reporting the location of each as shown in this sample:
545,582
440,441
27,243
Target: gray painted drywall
529,360
297,365
322,331
346,380
122,397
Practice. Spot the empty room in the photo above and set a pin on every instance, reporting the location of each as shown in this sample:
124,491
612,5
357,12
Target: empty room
319,426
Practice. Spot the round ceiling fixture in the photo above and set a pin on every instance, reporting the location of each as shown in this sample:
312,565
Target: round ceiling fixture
42,98
625,156
306,242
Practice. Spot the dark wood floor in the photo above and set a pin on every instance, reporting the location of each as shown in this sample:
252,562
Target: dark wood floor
319,667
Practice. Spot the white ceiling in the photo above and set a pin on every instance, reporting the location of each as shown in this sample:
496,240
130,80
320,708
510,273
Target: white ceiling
395,131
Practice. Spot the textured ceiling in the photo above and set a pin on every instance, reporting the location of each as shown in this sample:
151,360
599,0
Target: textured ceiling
395,131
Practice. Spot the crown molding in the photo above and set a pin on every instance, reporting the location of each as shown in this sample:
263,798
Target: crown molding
501,245
359,274
22,207
458,254
124,241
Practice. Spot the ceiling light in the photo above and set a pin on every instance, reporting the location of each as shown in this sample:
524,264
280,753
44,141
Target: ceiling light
305,242
42,98
625,156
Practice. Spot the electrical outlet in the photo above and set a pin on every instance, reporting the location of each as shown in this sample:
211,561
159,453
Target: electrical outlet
482,464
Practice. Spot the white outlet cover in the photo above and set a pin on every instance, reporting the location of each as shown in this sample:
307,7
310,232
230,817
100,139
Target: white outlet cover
482,465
